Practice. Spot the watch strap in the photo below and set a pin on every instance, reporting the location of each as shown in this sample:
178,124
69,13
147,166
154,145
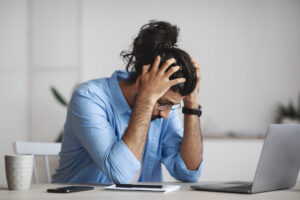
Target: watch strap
191,111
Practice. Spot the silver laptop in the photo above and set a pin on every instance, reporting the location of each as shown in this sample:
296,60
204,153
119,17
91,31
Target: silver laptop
278,166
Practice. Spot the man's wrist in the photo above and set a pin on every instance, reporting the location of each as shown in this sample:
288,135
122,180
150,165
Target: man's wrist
191,104
191,101
146,101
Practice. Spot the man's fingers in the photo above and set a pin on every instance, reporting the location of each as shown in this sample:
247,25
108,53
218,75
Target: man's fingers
155,64
166,64
172,70
176,81
195,63
193,60
145,68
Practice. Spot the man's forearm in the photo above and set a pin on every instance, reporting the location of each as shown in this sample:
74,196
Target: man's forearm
191,149
136,132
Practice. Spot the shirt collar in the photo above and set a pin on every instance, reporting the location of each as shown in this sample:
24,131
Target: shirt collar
118,98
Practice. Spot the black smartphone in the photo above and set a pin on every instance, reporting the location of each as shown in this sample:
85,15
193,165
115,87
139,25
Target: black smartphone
69,189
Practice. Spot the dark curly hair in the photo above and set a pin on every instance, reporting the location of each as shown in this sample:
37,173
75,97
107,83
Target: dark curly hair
160,38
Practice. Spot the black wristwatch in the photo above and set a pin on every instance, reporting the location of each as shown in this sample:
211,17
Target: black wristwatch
190,111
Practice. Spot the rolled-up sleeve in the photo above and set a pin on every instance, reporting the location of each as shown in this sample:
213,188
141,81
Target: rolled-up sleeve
91,125
171,157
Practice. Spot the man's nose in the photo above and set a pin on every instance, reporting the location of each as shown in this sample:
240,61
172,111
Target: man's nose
164,113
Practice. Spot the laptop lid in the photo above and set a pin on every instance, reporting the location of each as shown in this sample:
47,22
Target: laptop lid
279,161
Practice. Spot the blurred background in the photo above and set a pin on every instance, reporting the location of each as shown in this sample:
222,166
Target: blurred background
249,52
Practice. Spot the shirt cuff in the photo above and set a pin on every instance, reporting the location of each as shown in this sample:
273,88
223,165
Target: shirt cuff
184,173
125,162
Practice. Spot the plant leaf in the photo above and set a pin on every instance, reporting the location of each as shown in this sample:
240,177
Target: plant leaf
58,96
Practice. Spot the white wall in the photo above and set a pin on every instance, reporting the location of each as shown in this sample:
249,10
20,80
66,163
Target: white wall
54,61
248,51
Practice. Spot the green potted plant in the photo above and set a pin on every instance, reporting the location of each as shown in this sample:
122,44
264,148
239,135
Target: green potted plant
61,100
289,113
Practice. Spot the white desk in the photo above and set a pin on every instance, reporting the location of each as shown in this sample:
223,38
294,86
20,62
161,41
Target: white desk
38,192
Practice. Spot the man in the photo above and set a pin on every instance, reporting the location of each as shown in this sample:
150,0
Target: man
122,128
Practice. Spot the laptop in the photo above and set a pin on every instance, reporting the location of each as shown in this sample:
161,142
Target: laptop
278,165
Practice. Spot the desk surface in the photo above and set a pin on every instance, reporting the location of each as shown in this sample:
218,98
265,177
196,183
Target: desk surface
38,191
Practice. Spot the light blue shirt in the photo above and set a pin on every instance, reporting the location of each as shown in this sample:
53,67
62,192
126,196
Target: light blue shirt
92,147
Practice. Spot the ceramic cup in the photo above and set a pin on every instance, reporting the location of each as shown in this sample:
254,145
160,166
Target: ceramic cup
18,169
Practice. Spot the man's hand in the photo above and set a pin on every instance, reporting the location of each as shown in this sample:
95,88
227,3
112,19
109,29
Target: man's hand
191,100
155,82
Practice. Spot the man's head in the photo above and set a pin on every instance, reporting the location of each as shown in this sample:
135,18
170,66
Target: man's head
159,38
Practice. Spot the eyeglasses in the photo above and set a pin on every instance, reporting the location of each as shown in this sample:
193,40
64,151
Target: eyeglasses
167,106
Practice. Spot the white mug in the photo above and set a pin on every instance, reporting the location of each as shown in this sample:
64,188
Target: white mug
18,169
